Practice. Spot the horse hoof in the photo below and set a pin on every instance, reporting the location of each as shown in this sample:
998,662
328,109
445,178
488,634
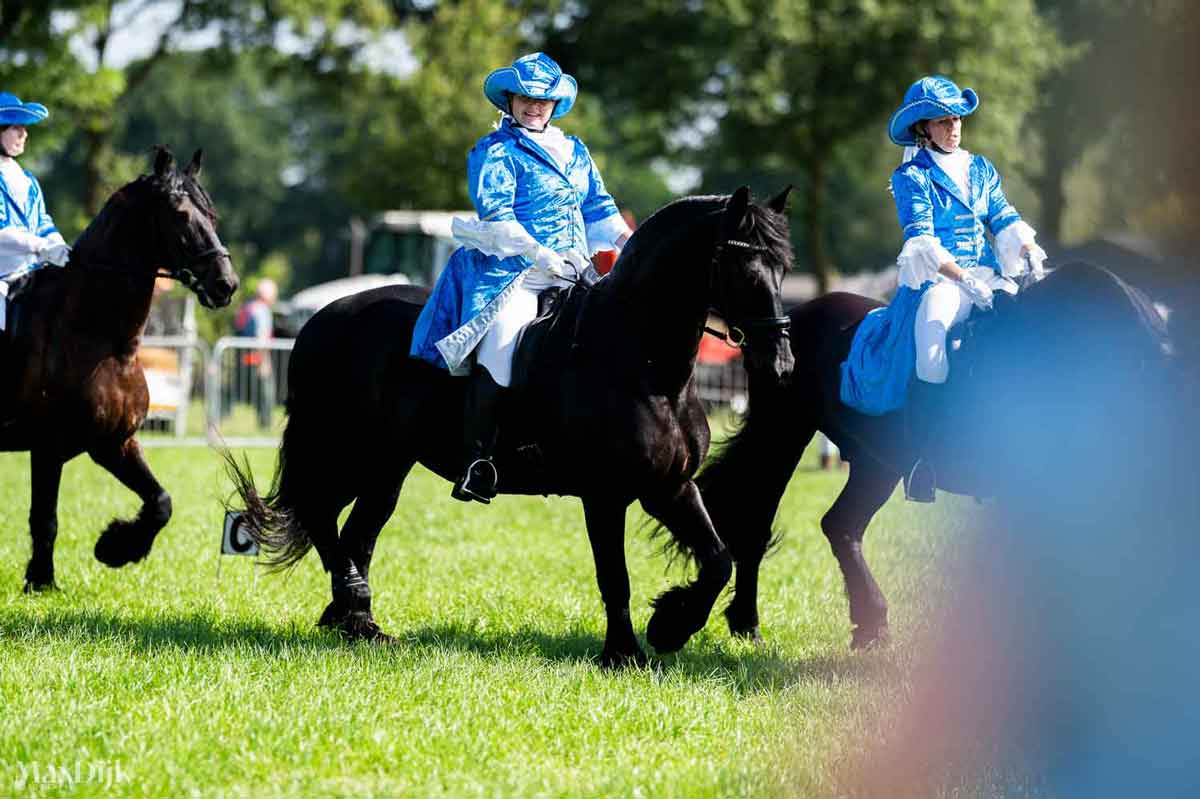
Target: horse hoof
359,625
865,639
743,625
612,660
665,630
40,586
120,545
750,634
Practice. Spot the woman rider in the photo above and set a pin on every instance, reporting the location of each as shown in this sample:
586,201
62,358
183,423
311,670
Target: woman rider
543,210
27,233
947,199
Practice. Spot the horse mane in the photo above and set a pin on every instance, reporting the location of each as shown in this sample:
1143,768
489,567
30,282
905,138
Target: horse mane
762,227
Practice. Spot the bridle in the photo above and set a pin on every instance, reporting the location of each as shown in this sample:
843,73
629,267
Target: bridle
772,328
185,274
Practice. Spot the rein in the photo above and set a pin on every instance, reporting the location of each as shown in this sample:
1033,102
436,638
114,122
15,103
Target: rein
185,275
737,334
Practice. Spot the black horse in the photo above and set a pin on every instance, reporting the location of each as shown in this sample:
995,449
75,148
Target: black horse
1042,378
72,380
610,413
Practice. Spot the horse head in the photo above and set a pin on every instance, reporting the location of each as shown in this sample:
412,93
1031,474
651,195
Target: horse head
185,241
752,253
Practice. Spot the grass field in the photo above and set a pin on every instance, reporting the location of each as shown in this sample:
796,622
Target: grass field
185,679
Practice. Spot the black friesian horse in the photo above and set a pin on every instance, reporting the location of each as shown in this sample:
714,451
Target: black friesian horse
72,380
1035,398
615,419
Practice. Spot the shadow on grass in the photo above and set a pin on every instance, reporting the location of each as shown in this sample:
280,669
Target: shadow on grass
200,632
747,671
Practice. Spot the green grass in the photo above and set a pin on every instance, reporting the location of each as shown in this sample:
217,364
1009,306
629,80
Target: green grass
202,681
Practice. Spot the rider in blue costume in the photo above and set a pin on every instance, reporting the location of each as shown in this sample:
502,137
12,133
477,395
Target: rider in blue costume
543,210
28,236
947,200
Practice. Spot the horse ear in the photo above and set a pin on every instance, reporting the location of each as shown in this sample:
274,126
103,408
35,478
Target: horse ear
164,162
735,210
193,169
778,203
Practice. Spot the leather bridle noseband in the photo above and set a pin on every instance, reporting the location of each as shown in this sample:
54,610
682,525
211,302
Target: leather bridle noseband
740,330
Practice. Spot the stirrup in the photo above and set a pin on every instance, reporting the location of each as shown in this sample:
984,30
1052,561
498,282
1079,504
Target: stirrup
465,491
920,484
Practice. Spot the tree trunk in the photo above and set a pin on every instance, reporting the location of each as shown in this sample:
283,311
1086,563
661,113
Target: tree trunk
1059,152
814,221
95,144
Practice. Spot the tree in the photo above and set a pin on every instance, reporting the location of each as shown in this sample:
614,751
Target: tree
802,89
88,91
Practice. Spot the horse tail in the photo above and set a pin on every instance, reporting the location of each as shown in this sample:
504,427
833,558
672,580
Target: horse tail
272,520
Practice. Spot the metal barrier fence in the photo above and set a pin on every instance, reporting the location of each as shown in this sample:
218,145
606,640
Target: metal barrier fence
234,395
245,388
175,368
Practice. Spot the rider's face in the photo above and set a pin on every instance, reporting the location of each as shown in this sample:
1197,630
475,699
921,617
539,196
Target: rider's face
531,113
946,132
13,140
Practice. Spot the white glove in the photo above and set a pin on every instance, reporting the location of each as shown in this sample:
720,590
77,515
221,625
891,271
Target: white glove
57,254
547,260
578,262
1036,260
980,293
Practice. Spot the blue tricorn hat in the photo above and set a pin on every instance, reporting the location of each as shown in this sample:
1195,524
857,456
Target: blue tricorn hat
536,75
15,112
929,98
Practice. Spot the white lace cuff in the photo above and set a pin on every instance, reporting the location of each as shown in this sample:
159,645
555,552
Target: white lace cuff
1008,247
920,259
501,239
603,235
14,241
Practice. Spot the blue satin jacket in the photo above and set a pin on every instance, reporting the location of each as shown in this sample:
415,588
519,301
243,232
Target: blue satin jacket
882,358
510,178
28,212
929,203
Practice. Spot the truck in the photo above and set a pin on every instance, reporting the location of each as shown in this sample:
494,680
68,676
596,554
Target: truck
393,247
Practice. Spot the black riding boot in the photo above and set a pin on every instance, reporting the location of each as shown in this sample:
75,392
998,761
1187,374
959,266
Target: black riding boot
480,431
922,422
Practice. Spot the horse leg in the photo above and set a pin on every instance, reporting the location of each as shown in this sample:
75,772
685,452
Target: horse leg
743,517
349,612
606,532
124,540
869,486
350,609
682,611
46,468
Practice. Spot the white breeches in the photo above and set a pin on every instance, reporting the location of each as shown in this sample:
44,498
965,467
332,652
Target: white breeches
495,351
942,306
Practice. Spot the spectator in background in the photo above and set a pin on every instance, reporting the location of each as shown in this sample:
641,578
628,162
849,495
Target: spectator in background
254,320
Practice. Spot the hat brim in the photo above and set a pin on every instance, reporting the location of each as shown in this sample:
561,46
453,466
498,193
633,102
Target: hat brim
505,81
23,114
900,125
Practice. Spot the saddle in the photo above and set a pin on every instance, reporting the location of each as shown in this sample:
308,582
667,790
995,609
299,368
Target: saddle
544,349
548,343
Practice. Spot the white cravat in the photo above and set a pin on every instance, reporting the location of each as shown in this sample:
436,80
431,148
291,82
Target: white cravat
16,179
957,165
553,141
